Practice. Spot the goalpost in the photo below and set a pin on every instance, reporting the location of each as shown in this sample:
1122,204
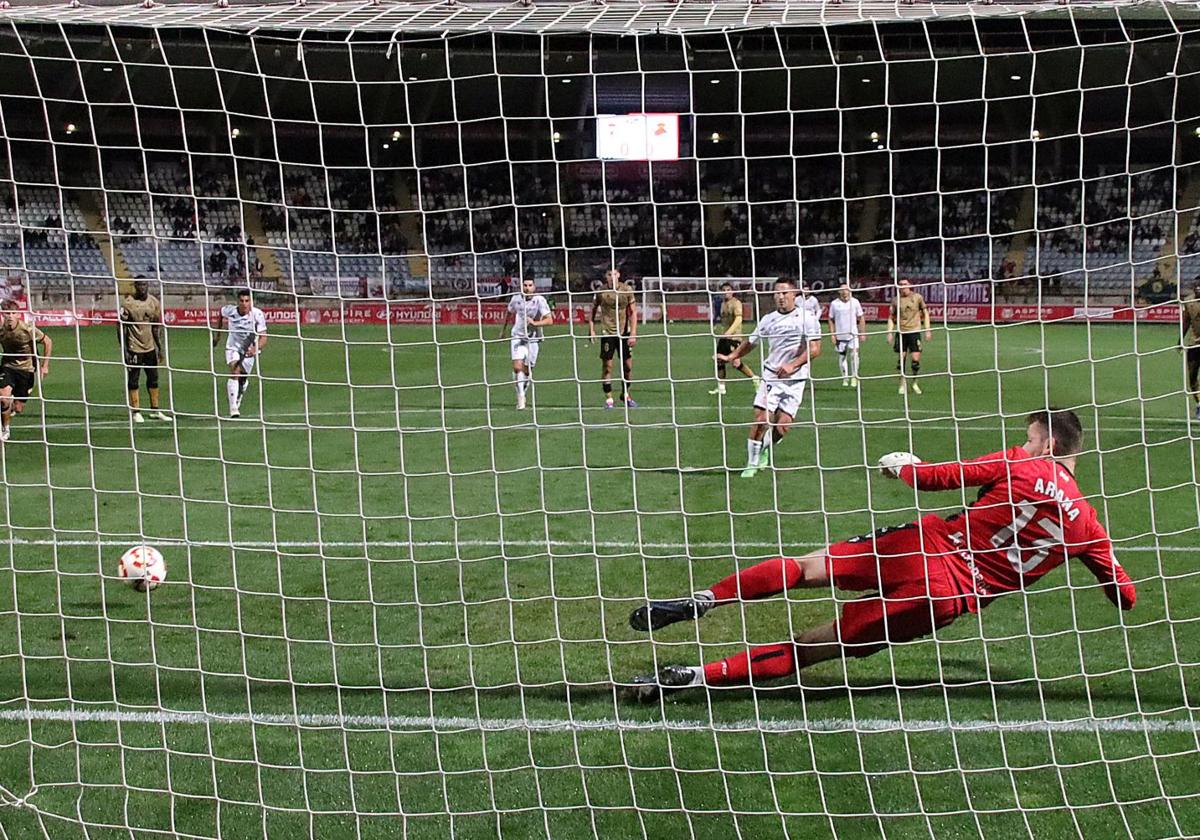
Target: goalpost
396,606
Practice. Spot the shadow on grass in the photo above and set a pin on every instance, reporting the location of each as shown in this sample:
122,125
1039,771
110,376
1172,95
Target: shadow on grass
819,695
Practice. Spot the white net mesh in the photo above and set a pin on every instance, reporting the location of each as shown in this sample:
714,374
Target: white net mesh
396,605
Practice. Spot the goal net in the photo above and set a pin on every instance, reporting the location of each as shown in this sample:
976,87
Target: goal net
396,605
696,298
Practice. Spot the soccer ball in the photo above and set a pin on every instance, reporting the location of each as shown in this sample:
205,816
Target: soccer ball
143,567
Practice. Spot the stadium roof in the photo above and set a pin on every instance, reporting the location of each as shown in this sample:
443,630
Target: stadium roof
616,17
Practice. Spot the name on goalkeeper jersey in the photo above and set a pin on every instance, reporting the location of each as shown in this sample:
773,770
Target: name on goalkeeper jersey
1052,491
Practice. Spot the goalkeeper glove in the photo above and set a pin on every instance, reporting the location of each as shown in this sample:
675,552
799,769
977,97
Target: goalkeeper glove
891,463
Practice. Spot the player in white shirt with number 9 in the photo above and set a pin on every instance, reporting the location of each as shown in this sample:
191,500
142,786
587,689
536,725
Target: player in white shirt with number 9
247,327
794,339
528,312
849,328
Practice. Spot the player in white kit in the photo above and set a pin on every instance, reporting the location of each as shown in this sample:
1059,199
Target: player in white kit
528,312
793,337
849,328
809,302
247,327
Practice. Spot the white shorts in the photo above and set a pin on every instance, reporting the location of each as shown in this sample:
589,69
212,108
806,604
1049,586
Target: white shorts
780,396
844,345
232,356
524,350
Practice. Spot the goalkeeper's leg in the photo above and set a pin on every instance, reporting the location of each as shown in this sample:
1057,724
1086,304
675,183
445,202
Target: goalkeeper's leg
917,594
761,580
866,626
750,667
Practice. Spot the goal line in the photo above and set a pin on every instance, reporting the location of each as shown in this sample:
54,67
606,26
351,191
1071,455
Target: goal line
441,724
253,545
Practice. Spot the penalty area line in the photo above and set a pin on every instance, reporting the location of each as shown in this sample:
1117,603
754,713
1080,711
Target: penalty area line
416,723
266,545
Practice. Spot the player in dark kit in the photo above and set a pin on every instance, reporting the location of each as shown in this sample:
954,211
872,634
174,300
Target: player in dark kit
1191,343
21,365
616,308
142,344
1028,519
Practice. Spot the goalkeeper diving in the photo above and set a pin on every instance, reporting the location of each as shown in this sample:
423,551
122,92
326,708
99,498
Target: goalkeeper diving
1028,519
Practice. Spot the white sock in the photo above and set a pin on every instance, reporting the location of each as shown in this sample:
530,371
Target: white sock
854,363
721,385
697,676
231,390
753,448
842,364
521,383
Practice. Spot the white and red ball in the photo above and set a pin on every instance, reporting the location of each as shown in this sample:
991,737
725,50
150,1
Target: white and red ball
143,567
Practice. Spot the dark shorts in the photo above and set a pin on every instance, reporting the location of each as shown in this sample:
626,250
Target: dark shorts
609,345
145,360
910,342
916,592
725,346
135,362
21,381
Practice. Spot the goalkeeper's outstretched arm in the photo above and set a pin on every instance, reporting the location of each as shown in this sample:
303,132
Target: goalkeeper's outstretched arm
1099,558
955,475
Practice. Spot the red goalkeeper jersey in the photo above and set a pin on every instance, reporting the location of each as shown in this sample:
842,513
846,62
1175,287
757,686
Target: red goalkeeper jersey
1028,519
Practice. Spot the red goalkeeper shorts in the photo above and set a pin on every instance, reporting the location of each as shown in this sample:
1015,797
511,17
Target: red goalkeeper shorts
916,593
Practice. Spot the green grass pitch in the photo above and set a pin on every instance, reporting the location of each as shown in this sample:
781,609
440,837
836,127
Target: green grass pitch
387,542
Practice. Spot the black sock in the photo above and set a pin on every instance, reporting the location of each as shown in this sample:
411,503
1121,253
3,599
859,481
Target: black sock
916,367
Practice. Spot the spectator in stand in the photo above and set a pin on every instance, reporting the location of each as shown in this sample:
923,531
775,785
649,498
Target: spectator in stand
1156,289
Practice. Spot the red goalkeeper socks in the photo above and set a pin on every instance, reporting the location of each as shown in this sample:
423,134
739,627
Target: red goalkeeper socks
766,662
769,577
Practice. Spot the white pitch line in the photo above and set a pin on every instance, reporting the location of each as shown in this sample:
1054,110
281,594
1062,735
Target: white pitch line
256,545
252,423
906,416
481,724
903,414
